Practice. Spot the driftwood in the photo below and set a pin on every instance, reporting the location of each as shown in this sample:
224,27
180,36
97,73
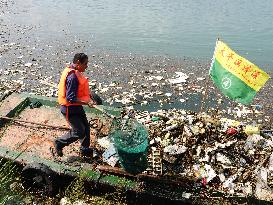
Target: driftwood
186,182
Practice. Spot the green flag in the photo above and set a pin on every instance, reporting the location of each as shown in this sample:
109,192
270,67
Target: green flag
234,75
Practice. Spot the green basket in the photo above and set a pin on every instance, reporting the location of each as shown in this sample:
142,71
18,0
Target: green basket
130,139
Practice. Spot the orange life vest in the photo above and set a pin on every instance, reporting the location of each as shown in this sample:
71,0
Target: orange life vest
83,88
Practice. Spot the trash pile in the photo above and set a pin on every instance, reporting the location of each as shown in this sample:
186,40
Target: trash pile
217,153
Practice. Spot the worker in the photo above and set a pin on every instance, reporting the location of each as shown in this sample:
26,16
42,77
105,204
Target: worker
73,93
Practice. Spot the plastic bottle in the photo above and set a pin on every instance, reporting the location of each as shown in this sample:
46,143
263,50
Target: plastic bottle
249,130
155,118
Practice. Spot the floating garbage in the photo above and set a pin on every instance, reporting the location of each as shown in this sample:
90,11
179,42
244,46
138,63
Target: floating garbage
28,64
219,154
181,78
110,155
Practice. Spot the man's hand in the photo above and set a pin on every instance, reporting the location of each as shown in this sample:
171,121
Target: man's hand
91,103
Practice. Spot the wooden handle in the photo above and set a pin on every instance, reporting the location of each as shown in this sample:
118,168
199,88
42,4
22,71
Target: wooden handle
35,123
104,112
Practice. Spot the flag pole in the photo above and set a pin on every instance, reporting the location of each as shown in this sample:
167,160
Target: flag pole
204,95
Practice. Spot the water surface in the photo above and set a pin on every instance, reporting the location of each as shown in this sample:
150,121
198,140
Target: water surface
159,27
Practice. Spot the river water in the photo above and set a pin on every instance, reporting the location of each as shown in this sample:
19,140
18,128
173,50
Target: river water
174,28
128,42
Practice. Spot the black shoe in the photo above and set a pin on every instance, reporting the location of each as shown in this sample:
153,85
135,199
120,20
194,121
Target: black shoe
58,150
86,152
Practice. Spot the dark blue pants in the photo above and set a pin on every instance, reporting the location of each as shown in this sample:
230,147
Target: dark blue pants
80,130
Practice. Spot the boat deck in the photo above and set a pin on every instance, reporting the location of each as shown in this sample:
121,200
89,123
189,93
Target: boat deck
35,139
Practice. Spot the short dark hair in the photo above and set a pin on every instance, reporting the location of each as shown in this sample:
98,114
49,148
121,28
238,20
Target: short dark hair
80,56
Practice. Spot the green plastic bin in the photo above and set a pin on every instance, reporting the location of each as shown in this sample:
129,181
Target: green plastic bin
131,143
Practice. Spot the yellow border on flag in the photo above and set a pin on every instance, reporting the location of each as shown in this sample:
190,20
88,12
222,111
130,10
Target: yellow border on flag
249,73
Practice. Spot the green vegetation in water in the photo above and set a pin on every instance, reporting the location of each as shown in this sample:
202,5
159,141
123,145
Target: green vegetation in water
11,191
76,192
119,181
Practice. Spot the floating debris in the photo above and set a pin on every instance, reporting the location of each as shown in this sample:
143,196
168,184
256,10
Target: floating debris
28,64
217,153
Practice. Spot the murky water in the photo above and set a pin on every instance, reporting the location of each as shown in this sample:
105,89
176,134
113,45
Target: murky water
158,27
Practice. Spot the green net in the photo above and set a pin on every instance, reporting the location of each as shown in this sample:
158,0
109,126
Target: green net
130,139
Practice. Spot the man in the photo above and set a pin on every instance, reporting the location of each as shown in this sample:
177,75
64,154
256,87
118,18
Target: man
73,93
